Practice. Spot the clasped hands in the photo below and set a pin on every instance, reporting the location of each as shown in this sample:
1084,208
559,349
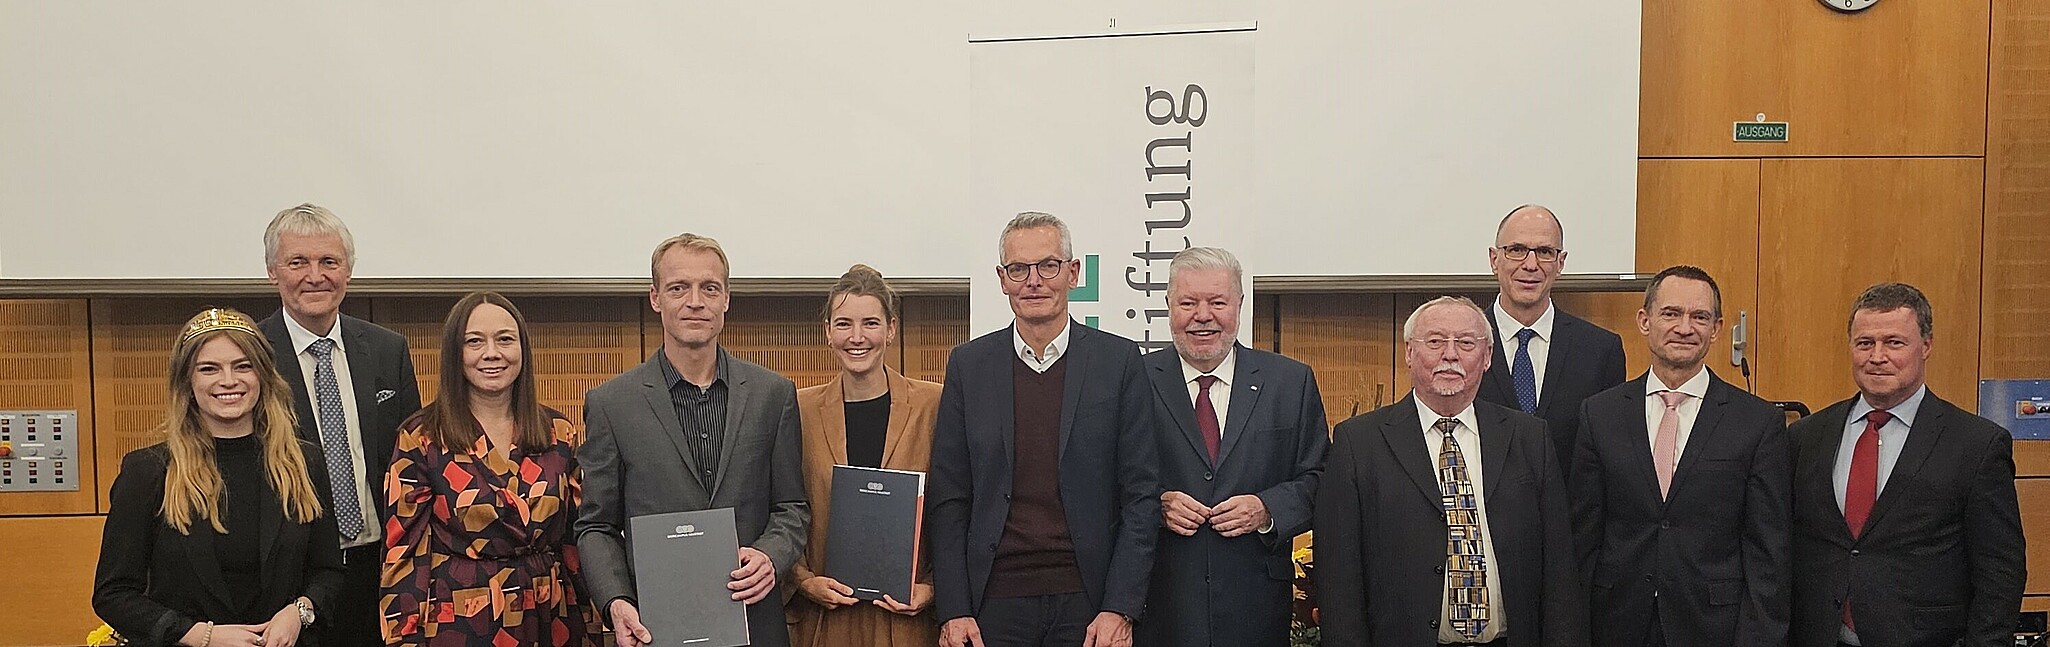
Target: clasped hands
1236,516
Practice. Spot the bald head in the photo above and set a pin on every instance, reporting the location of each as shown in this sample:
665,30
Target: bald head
1531,216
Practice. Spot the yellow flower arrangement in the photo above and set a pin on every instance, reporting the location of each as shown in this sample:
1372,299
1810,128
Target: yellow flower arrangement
105,636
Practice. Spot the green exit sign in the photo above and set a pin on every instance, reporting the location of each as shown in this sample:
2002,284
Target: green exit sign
1759,131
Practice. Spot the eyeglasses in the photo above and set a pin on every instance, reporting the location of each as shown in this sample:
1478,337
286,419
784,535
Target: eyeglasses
1048,269
1464,344
1519,252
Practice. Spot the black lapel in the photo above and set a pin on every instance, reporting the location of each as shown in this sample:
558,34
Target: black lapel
1495,441
1406,441
1557,349
288,366
1713,405
1173,394
1497,378
199,549
1821,486
1245,396
1923,434
1628,404
1078,373
273,518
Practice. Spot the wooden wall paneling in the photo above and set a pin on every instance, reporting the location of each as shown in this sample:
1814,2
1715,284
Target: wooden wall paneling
2034,494
579,342
1349,340
929,329
48,591
1829,228
1617,312
131,351
2014,343
2032,458
1904,79
1702,66
783,333
46,363
1899,79
1702,213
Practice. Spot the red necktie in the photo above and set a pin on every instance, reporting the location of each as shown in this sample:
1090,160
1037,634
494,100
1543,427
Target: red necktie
1863,486
1206,416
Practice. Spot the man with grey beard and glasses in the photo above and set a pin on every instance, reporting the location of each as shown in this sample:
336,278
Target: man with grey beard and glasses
1441,520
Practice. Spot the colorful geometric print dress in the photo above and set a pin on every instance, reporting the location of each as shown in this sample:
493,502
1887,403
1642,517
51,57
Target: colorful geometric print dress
478,550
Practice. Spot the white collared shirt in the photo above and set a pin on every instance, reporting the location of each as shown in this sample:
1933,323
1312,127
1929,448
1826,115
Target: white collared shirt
1695,387
1540,346
302,339
1469,437
1034,358
1220,393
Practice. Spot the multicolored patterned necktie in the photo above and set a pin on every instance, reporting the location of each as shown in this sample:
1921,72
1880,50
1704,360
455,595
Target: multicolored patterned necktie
1466,567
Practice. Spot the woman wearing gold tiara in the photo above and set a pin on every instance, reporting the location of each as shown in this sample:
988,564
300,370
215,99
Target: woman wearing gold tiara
217,536
867,416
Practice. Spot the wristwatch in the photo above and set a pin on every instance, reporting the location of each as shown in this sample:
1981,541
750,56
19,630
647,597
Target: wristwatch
306,616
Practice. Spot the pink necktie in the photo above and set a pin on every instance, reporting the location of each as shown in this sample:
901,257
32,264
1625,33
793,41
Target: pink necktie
1666,445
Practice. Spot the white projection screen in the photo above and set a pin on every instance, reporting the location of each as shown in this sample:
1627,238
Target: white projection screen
555,139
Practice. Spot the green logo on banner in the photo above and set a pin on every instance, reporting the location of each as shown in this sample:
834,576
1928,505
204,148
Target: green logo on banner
1085,292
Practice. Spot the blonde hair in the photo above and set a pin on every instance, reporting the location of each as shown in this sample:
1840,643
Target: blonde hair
192,480
861,280
687,241
306,220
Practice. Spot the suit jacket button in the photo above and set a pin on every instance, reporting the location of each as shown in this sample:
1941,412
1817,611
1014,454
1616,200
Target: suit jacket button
1434,624
1207,476
992,548
1855,553
1647,577
1440,569
1007,497
1665,525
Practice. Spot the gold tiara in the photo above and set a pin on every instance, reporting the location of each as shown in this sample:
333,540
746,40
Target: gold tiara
212,319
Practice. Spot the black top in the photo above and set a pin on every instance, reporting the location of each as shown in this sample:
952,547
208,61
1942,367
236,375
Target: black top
702,412
243,495
868,427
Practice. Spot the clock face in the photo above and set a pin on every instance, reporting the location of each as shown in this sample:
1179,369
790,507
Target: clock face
1849,5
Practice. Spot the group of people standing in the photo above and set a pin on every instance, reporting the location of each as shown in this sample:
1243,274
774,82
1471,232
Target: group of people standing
1079,492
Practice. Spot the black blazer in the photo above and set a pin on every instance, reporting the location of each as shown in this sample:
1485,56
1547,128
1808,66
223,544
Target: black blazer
1381,532
1940,560
153,584
380,369
1207,589
1716,552
1109,473
1583,359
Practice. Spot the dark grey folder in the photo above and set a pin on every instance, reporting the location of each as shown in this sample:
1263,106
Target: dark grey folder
872,544
682,563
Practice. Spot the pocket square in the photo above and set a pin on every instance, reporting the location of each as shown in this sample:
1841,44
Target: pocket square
385,395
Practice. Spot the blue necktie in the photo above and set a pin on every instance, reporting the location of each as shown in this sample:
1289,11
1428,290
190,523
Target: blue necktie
334,439
1521,374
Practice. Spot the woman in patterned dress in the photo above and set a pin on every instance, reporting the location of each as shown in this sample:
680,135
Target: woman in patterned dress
483,490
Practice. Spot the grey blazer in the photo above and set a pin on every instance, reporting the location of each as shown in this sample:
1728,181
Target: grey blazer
635,464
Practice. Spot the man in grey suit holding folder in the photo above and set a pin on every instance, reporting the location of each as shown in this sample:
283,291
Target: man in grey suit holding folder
697,429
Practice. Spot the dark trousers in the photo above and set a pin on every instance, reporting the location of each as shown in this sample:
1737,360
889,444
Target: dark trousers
356,619
1059,620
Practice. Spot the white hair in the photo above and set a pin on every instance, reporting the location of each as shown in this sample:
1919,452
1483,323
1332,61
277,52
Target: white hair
1207,258
1035,220
1409,325
306,220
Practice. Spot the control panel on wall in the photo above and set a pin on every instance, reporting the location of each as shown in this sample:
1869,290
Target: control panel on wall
38,451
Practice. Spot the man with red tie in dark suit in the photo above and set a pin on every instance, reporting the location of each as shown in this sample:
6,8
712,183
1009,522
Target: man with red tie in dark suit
1242,439
1681,499
1906,528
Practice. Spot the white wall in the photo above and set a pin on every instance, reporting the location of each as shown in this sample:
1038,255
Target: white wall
558,139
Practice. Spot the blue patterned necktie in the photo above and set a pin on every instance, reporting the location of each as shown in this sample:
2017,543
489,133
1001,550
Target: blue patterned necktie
1522,375
334,439
1466,575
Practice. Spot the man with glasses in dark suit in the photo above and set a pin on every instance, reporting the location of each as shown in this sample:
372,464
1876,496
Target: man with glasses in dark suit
1545,360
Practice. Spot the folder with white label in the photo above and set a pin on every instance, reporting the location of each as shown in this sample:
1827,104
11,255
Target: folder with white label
872,544
682,562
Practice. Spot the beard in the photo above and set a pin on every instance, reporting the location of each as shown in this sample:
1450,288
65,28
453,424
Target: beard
1445,390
